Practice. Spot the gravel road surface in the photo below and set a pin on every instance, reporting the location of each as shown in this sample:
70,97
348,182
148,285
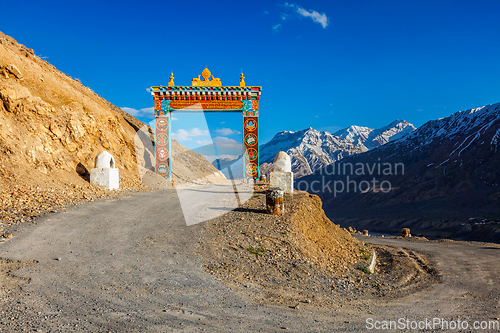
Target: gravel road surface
128,265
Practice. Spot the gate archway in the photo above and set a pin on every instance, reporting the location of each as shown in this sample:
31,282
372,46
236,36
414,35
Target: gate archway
207,94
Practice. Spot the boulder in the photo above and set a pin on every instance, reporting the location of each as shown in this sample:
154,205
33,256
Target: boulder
12,96
14,71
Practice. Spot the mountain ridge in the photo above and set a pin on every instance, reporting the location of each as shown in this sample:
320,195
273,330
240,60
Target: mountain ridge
311,150
450,176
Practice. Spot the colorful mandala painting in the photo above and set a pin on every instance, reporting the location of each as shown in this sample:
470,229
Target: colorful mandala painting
255,104
251,139
162,124
251,169
162,154
251,154
250,125
165,105
162,169
157,104
161,139
247,104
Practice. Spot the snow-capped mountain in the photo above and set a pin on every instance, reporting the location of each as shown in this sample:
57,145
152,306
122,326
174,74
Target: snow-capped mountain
311,150
461,129
451,174
372,138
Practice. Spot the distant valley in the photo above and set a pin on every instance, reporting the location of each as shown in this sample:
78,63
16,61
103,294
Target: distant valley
451,180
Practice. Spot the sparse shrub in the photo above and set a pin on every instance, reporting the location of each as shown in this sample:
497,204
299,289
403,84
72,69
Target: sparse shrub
363,269
258,251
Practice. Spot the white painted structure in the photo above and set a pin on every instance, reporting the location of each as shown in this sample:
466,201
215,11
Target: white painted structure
105,175
282,175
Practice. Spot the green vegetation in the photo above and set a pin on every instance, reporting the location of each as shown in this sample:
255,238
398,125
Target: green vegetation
364,255
363,269
258,252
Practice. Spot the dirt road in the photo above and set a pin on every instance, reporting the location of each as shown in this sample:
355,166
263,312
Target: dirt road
127,265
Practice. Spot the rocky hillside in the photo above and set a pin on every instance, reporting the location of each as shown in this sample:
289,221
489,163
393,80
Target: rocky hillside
311,149
446,183
51,129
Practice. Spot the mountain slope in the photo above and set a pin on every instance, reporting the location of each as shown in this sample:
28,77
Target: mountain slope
311,150
450,177
51,130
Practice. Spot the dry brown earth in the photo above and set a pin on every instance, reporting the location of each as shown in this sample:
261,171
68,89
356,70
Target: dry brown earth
51,130
301,257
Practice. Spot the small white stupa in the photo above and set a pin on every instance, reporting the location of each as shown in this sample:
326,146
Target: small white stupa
105,175
282,175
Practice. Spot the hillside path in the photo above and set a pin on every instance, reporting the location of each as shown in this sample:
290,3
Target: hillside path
129,265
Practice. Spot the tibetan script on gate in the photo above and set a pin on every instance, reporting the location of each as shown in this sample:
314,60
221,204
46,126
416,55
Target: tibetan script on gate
207,105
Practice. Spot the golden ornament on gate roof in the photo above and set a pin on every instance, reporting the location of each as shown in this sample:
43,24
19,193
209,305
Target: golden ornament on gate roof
206,74
214,82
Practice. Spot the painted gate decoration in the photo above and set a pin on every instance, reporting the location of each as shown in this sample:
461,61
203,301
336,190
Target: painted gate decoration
207,95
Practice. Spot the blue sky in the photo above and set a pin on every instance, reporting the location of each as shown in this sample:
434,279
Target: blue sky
322,64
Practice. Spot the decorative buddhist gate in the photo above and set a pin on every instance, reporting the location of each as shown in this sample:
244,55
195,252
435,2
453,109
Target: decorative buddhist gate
207,95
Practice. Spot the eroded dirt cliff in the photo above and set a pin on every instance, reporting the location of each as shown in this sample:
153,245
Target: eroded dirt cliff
51,130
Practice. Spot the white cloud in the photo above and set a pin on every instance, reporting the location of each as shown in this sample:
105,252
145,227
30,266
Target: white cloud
141,113
223,138
277,27
183,135
148,90
226,131
204,142
223,142
222,122
146,113
314,15
224,146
